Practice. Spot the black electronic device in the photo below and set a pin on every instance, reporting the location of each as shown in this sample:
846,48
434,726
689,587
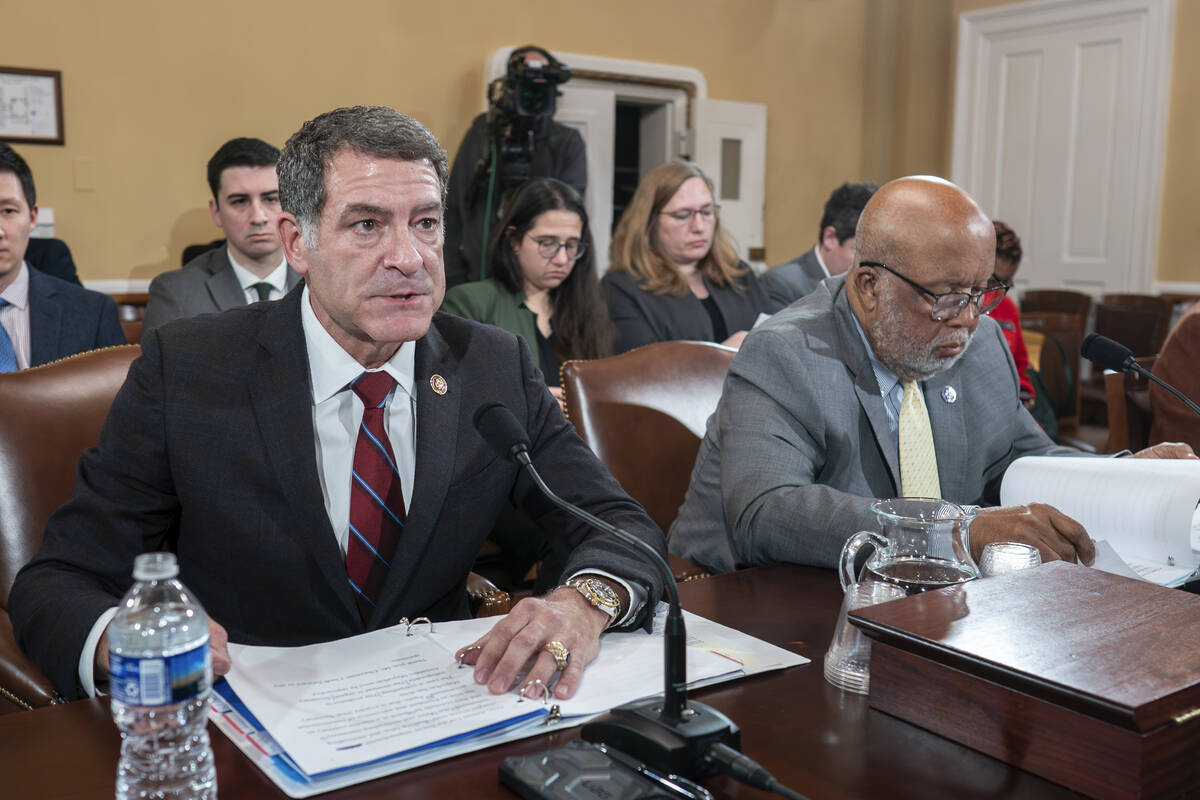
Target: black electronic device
667,733
584,771
1107,354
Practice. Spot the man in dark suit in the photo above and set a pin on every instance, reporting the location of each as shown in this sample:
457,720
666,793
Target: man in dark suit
42,318
831,255
235,438
251,267
53,257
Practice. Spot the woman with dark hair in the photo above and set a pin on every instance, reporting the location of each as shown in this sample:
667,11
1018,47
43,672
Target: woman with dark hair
545,288
1008,258
675,273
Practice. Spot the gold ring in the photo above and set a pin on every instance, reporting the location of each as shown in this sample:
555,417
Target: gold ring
562,656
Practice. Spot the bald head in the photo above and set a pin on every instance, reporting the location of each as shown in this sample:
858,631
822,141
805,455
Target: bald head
931,232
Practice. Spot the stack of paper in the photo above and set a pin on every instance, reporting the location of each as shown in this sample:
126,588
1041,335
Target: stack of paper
321,717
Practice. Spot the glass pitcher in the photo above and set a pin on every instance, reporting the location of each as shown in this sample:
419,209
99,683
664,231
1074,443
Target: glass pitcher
924,544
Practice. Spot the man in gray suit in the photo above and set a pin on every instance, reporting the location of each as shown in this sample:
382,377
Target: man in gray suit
806,434
251,267
831,255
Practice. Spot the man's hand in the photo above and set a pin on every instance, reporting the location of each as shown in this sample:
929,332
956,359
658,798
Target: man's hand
1055,535
218,644
562,616
1166,450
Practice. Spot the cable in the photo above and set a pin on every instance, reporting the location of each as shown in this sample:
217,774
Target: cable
747,770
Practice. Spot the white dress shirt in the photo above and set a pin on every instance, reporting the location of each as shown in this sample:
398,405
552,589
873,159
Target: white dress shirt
277,278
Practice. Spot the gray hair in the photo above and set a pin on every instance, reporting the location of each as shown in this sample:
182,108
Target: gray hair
370,130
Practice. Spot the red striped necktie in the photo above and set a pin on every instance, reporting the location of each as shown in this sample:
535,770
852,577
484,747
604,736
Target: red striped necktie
376,496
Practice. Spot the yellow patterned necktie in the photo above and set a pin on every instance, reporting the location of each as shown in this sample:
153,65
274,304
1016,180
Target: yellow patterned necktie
918,461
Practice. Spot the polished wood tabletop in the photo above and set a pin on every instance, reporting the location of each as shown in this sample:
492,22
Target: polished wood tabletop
816,739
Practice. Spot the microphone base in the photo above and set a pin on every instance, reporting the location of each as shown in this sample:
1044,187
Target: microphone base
639,730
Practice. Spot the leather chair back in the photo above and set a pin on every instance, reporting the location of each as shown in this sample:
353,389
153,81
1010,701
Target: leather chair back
644,412
51,414
1139,322
1059,361
1064,301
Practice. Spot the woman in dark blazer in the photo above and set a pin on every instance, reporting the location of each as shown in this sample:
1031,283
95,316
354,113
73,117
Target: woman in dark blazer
675,273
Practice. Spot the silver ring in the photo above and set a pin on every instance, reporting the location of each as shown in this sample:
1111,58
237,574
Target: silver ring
463,654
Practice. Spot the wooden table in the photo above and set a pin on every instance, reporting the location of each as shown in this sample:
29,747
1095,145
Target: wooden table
814,738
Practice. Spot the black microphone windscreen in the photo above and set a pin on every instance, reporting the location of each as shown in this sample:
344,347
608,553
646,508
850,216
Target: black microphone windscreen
1105,353
499,428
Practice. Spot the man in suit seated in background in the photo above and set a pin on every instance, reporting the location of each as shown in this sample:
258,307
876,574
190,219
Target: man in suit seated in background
831,255
235,438
885,383
251,267
42,318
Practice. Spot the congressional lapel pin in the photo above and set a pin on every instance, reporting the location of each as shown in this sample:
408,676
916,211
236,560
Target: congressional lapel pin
948,394
437,383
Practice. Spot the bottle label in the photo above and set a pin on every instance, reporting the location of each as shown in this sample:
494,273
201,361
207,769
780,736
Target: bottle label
159,681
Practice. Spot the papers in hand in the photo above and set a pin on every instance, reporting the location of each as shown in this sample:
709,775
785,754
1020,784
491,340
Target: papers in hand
319,717
1143,508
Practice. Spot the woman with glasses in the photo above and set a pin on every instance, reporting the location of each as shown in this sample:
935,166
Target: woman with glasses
675,273
545,288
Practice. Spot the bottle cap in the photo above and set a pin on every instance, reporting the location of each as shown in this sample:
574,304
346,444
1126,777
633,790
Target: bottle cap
155,567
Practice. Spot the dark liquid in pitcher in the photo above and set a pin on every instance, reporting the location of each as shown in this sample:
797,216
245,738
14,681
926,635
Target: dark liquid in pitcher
920,574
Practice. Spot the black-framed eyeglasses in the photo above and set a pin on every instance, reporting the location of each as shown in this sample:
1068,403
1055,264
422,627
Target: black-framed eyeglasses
683,216
948,305
548,247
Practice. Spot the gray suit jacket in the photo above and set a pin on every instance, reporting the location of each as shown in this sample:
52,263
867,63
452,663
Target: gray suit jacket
788,282
65,319
800,446
209,451
205,285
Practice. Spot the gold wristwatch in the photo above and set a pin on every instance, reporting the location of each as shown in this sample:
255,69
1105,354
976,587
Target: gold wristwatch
599,594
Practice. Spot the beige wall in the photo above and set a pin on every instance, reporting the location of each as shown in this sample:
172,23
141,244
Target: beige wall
153,88
855,89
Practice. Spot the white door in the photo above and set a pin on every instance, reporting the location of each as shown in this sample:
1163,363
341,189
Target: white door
731,146
1059,130
592,112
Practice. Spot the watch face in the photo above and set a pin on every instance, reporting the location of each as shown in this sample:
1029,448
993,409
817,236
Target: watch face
598,593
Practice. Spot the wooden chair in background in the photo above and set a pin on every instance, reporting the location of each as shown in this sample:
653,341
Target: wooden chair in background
1129,412
131,309
1064,301
643,413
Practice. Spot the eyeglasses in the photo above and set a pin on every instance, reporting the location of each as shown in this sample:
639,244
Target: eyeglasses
683,216
548,247
948,305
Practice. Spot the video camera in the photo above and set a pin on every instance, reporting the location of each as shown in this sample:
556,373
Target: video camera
517,104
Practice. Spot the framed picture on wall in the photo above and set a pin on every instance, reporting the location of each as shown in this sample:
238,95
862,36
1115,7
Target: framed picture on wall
31,106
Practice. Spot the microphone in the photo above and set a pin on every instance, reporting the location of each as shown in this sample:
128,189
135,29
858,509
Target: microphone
1107,354
670,732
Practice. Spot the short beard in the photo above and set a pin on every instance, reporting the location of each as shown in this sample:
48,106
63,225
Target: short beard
910,358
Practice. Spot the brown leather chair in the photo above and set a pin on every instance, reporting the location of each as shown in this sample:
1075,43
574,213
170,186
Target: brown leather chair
51,415
1063,301
1129,412
131,309
643,413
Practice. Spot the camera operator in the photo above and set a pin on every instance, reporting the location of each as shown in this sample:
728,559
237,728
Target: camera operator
516,139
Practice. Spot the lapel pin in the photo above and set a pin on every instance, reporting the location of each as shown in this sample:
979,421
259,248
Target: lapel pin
948,394
437,383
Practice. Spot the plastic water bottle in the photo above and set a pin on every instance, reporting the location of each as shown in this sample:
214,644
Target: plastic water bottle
161,674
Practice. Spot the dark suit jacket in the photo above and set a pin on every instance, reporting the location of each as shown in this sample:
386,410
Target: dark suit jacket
205,285
787,283
53,257
643,318
65,319
209,449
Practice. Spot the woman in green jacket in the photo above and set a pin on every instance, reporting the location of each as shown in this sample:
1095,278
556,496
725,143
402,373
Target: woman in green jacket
545,288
